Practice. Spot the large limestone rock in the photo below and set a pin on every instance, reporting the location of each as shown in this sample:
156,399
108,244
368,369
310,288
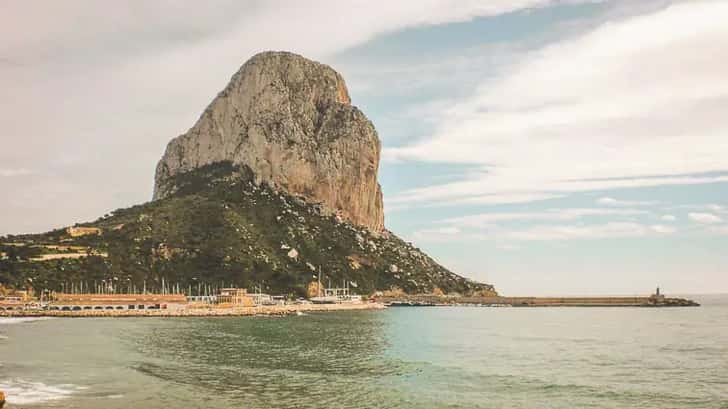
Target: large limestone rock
291,121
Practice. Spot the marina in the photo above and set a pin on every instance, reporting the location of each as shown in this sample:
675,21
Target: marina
170,301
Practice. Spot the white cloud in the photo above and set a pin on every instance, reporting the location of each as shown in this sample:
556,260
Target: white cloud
320,27
15,172
504,199
711,208
634,98
488,219
403,202
443,230
609,201
500,227
719,230
483,186
590,232
716,208
662,229
398,203
704,218
508,246
506,227
506,237
447,234
668,218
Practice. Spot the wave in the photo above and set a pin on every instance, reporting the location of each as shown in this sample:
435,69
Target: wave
20,320
21,392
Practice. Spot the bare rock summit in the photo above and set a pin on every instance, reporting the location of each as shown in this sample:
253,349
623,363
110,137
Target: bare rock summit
290,120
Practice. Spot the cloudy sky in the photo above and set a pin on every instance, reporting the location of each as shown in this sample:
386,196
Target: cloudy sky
545,146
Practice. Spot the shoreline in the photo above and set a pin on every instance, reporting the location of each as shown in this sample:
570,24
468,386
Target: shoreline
198,310
273,310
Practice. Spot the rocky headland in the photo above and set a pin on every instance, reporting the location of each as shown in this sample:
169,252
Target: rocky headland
273,186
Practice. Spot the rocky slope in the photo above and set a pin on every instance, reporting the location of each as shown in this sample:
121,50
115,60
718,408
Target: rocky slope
221,228
290,120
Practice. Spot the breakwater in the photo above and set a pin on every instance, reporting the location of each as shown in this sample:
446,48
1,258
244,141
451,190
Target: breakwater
434,300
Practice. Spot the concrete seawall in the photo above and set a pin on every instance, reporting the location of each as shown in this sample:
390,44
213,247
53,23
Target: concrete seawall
541,301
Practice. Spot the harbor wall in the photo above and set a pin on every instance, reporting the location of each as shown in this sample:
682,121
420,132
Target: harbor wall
651,301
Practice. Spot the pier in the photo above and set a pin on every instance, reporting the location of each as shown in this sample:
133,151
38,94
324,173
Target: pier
497,301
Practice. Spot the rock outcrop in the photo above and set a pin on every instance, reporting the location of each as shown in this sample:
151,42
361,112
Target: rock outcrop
290,120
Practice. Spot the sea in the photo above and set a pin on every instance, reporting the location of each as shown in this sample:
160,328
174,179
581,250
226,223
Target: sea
420,357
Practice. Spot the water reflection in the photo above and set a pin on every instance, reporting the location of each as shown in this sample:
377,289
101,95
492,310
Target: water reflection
326,358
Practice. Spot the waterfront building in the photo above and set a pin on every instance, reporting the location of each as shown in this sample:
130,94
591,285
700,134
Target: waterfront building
15,300
79,302
235,296
11,303
337,296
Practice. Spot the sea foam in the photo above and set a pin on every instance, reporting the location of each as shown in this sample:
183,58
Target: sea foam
21,392
20,320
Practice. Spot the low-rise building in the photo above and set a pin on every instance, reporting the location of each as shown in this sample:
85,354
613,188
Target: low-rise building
79,302
235,296
82,231
11,303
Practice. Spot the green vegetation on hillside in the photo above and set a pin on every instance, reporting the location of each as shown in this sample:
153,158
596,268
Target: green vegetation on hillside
220,228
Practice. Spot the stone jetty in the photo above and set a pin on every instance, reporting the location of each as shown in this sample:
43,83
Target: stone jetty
434,300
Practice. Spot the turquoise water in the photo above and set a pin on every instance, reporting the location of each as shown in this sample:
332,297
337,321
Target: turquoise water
399,358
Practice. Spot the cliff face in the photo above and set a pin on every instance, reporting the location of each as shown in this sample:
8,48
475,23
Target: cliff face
290,120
